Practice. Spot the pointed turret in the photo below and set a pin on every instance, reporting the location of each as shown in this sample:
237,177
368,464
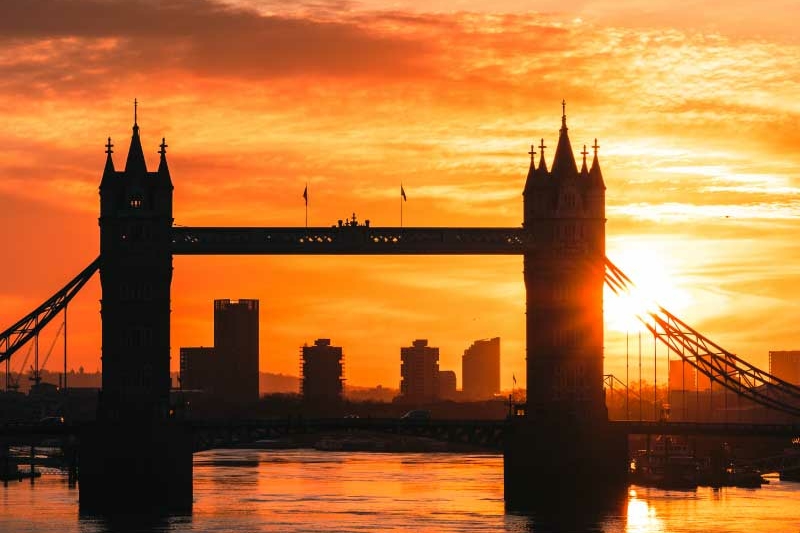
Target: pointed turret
542,170
595,175
163,169
532,168
529,181
163,182
135,165
109,184
596,196
564,161
108,171
584,170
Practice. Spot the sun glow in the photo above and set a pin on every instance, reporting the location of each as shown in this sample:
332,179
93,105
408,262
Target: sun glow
651,270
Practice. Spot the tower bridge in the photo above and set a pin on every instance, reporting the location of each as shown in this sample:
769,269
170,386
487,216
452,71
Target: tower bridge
562,244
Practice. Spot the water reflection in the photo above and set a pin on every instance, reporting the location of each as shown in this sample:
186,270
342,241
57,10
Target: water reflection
139,523
306,490
558,511
641,517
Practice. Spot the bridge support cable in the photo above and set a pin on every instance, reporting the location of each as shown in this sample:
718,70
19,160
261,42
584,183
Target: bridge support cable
724,362
716,366
707,357
13,338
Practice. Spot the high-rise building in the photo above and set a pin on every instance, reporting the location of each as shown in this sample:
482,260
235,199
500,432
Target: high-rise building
229,370
480,369
785,365
236,347
322,369
447,385
198,369
419,372
682,375
703,382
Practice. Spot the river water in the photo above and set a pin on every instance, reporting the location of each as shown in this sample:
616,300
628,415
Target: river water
309,490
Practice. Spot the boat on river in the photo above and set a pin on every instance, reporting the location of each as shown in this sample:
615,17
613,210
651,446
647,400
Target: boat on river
745,476
669,463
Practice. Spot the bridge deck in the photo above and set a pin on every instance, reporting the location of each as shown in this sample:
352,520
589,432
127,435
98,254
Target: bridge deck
350,240
632,427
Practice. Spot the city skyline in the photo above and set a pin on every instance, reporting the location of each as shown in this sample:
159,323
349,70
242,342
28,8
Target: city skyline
696,155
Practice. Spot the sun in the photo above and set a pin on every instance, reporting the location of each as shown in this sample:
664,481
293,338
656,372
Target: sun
654,271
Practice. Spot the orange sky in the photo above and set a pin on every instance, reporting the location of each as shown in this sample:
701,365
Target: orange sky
696,113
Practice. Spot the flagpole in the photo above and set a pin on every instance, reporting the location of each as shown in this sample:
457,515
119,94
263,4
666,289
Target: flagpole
306,205
401,205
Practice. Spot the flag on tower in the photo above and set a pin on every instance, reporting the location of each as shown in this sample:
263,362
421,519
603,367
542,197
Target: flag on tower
305,194
514,379
403,193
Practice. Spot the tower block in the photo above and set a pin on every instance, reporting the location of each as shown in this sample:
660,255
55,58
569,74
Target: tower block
135,444
564,437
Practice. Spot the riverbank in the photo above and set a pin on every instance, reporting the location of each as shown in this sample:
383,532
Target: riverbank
364,441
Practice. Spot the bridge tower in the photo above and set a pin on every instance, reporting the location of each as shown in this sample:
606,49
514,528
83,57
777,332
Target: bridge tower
135,273
563,441
136,443
564,212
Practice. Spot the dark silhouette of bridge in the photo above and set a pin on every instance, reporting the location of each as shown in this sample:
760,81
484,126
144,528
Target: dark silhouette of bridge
489,434
564,425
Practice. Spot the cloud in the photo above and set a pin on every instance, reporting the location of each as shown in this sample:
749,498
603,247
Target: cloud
258,98
100,42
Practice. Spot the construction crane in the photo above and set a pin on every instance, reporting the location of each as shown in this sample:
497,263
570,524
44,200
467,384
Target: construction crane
13,384
37,376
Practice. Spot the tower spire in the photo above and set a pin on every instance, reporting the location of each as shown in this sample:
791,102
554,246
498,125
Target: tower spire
564,161
135,162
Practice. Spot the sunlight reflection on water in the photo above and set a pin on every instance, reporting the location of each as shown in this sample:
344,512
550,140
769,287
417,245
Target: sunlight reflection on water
308,490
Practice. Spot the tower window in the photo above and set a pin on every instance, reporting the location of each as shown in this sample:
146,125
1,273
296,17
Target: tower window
139,337
570,231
